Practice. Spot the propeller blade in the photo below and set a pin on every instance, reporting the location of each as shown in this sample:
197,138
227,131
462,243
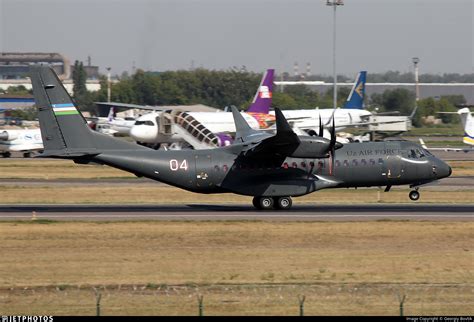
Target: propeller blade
332,145
333,133
321,128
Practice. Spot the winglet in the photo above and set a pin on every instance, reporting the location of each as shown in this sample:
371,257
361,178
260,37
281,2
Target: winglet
281,122
242,128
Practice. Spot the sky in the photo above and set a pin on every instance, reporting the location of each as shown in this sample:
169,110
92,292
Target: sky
372,35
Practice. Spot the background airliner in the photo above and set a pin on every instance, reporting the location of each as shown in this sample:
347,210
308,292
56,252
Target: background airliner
25,141
468,124
148,130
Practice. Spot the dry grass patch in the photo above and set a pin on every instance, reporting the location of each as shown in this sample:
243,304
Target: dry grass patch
236,252
56,169
240,267
159,194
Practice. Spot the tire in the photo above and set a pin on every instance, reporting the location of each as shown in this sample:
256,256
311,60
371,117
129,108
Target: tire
255,202
414,195
283,203
266,203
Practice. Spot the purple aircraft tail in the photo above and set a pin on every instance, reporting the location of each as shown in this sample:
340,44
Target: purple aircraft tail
263,98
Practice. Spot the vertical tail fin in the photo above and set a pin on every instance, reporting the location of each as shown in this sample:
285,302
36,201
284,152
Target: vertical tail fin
468,124
111,115
64,130
263,98
356,96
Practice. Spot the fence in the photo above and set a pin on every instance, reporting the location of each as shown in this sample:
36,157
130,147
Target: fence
323,299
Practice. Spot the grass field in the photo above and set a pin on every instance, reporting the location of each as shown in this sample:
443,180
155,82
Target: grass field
157,194
241,268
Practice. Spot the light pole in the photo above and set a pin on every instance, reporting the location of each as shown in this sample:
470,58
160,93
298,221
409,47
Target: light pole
108,84
334,4
416,60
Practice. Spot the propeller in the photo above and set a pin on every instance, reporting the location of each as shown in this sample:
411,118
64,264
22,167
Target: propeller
321,127
333,146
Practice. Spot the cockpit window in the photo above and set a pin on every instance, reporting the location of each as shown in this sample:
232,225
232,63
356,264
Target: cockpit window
149,123
420,153
427,152
412,154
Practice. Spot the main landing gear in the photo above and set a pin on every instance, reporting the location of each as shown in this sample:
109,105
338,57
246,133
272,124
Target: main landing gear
414,195
269,203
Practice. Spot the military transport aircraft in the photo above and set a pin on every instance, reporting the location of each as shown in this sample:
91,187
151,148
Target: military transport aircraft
270,167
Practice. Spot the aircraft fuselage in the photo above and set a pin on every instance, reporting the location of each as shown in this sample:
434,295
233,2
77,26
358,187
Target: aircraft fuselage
219,171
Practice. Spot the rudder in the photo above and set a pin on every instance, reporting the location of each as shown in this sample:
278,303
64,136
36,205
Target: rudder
356,96
63,128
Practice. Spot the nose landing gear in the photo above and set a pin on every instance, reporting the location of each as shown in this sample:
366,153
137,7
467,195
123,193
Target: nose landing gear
414,195
269,203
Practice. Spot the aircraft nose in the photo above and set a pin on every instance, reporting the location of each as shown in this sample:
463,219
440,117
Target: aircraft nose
444,170
141,133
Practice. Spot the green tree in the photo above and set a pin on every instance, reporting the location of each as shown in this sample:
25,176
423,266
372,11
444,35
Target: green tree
283,101
82,97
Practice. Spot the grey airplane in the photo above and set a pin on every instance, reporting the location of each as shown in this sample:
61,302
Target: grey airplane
270,167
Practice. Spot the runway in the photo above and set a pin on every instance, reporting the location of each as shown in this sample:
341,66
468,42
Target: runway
199,212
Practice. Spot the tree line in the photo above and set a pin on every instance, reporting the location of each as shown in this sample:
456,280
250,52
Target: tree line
237,87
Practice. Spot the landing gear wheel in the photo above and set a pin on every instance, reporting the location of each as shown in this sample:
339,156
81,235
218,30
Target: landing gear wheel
414,195
27,155
6,154
283,203
255,203
263,203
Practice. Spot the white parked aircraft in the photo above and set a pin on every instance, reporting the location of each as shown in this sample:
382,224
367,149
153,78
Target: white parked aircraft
24,141
468,123
149,128
110,125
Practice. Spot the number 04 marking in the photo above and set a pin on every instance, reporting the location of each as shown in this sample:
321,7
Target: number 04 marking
175,165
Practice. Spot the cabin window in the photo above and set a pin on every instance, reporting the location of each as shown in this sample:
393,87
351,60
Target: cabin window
320,164
363,162
285,165
303,164
225,168
346,163
355,163
311,164
338,163
294,165
216,168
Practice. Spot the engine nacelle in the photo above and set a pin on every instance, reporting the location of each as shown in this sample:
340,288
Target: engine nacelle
313,147
8,136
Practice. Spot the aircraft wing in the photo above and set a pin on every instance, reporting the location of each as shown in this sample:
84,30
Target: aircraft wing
259,144
446,149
